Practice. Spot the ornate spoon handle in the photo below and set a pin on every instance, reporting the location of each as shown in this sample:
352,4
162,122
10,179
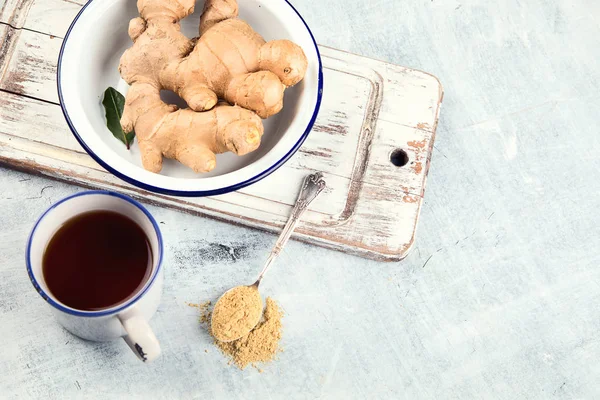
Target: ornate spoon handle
313,185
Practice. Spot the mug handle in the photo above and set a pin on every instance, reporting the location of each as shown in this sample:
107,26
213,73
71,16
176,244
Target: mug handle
140,338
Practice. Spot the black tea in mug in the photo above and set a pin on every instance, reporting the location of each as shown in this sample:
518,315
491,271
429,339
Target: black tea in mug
97,260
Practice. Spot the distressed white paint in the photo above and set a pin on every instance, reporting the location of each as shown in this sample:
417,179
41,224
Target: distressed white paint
52,17
506,306
370,109
14,12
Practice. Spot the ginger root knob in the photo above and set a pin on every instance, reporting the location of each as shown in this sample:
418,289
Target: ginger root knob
253,137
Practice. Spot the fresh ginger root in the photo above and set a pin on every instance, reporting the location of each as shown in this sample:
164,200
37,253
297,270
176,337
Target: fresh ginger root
191,137
229,61
233,62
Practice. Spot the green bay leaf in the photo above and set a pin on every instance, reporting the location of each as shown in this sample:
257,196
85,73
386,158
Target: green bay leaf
114,103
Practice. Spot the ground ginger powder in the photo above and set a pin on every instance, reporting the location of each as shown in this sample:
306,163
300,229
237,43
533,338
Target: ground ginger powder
236,313
261,344
204,312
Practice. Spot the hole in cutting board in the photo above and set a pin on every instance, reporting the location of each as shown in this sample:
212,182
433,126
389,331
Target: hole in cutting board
399,158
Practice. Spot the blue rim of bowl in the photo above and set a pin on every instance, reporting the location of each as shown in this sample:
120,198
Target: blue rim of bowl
201,193
112,310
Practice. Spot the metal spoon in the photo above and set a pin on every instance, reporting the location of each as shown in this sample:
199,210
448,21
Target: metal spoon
312,186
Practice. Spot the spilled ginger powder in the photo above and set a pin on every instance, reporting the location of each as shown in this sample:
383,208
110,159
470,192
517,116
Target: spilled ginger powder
261,344
204,313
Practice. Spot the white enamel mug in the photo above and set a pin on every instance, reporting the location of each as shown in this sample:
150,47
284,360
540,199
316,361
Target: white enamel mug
128,319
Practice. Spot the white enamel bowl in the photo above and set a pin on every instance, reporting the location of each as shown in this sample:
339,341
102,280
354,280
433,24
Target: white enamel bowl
88,64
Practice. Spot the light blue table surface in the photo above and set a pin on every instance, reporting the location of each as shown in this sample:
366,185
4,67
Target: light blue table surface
507,305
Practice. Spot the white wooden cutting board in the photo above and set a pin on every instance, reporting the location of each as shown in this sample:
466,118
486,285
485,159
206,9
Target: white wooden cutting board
370,110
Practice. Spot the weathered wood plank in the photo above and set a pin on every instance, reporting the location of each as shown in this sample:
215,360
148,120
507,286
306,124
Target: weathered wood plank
8,40
52,17
354,238
33,74
370,208
415,143
31,71
405,109
403,85
43,123
31,67
330,148
36,121
14,12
